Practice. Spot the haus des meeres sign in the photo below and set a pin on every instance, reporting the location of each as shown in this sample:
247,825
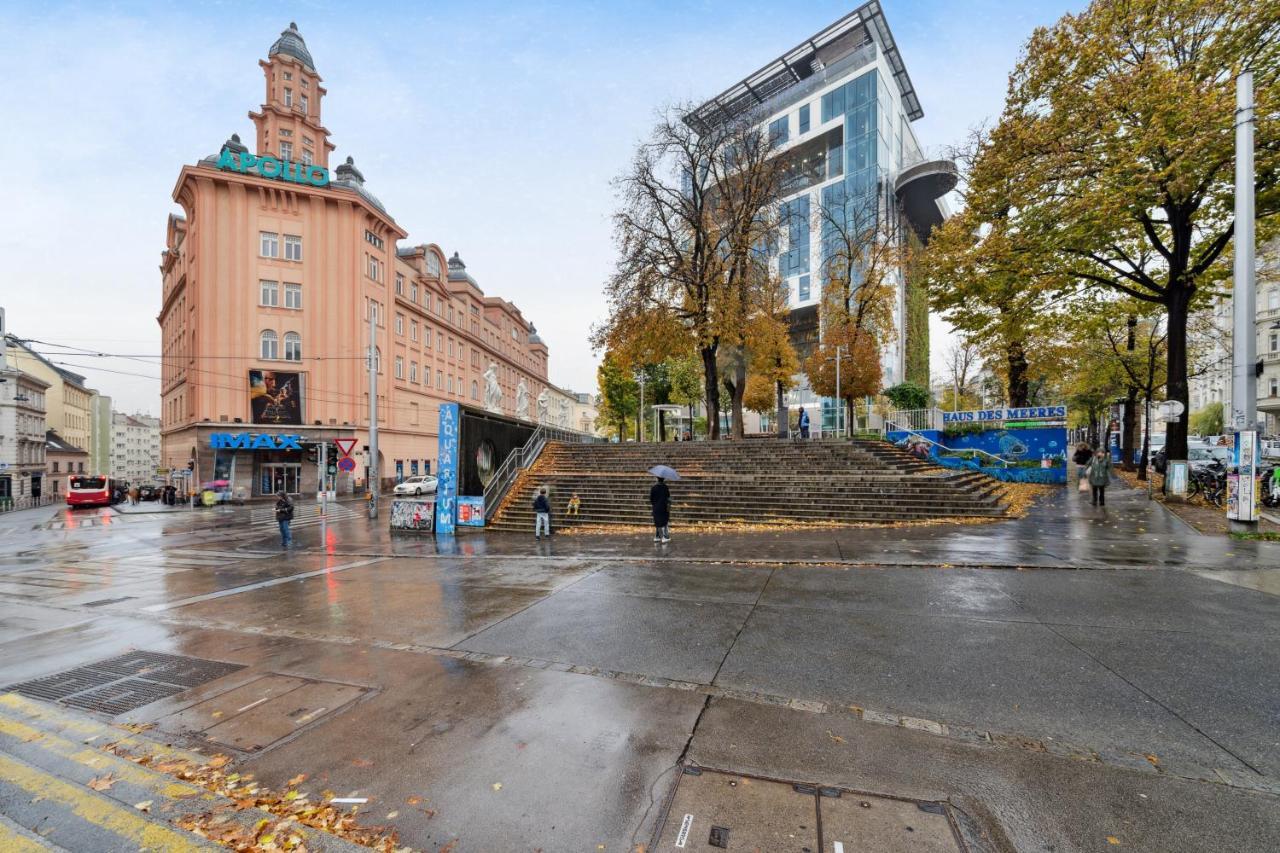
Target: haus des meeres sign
1030,413
273,167
248,441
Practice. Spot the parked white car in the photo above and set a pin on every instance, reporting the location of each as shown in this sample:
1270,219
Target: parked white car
422,484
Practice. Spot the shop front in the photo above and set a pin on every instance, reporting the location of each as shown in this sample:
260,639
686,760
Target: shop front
243,465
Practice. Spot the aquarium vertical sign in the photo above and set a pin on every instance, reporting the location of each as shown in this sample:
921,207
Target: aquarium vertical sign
447,468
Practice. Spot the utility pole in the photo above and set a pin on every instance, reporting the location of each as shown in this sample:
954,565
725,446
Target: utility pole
322,460
1244,384
640,414
371,470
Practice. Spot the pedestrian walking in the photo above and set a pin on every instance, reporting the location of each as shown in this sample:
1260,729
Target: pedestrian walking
804,422
1099,474
1081,457
133,496
541,514
575,504
284,517
660,502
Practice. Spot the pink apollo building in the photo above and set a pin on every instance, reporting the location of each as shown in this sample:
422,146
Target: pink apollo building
269,276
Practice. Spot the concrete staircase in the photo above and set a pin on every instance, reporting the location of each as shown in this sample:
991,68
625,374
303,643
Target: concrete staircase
60,790
761,481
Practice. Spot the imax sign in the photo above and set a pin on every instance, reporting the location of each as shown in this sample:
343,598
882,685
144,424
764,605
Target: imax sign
273,167
246,441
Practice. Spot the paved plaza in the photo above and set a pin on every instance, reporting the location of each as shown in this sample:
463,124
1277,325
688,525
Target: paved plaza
1078,679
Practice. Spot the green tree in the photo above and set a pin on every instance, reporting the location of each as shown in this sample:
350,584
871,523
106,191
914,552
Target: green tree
619,394
907,396
1113,160
1207,421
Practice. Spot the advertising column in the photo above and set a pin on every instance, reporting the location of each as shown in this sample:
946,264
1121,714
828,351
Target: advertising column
447,468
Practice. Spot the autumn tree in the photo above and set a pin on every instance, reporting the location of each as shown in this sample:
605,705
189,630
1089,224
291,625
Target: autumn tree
863,254
1115,152
695,208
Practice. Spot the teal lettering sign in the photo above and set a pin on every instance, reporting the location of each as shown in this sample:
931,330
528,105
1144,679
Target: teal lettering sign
247,441
273,167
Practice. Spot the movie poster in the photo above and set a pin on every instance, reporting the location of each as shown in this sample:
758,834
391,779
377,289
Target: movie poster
275,397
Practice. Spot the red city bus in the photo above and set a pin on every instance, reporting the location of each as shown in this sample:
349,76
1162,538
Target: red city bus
89,490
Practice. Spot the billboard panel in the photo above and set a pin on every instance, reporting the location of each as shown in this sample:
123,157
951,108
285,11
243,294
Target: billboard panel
275,397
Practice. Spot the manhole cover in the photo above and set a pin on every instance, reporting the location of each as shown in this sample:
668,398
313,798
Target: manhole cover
125,683
713,811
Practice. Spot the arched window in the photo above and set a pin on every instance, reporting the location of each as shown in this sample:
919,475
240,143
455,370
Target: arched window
292,346
270,345
475,390
377,359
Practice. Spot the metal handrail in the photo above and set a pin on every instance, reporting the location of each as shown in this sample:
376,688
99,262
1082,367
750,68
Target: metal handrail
522,458
1003,462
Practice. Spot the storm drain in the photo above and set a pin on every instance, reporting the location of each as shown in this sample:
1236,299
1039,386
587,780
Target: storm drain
713,811
125,683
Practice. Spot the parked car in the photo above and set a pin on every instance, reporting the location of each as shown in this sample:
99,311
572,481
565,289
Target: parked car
1199,456
422,484
1195,451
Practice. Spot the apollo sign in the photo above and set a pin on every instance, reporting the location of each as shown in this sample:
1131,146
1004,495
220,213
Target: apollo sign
247,441
273,167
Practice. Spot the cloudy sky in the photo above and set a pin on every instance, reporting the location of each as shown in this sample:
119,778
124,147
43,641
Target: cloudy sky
492,129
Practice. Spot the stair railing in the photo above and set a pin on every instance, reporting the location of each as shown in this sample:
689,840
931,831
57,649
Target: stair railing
523,458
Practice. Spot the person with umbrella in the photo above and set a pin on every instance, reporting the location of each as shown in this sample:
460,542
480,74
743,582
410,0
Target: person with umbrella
660,501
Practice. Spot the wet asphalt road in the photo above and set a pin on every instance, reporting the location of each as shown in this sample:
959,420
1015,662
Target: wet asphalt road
1065,677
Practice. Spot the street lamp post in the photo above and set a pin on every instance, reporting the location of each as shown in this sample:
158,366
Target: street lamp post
1244,386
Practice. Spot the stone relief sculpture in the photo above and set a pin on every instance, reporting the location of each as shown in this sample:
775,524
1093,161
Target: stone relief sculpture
522,401
562,418
543,405
492,393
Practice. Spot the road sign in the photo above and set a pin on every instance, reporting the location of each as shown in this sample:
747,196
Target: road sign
347,464
345,446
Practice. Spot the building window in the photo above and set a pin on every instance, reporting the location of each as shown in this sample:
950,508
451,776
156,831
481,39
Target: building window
399,367
288,97
1273,298
373,239
270,291
450,314
306,157
270,345
450,384
413,371
1275,388
284,131
1273,341
288,76
475,390
804,119
270,244
804,288
292,346
305,83
292,247
286,151
292,295
304,103
413,293
399,284
440,380
778,130
451,346
375,268
413,330
440,340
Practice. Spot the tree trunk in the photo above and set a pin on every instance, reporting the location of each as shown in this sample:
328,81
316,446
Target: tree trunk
1146,442
662,425
711,379
737,426
1018,385
1129,428
848,416
1093,427
782,410
1176,433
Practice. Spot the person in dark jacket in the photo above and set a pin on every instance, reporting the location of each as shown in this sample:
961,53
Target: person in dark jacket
541,514
1081,457
804,423
660,502
1099,473
284,517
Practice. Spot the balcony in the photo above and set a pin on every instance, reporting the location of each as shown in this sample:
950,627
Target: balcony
919,188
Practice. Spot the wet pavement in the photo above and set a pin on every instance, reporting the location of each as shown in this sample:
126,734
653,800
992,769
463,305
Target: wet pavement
1055,680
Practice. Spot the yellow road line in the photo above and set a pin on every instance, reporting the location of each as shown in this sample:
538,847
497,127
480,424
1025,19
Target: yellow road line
38,713
15,842
99,811
99,761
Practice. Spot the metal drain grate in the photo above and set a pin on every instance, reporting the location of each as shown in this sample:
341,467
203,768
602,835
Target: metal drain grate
125,683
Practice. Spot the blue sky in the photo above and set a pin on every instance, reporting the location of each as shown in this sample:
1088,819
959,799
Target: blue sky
491,129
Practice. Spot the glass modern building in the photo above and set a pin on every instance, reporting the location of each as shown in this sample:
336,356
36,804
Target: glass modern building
839,106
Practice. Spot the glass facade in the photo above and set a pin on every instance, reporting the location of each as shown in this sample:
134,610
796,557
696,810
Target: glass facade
804,120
